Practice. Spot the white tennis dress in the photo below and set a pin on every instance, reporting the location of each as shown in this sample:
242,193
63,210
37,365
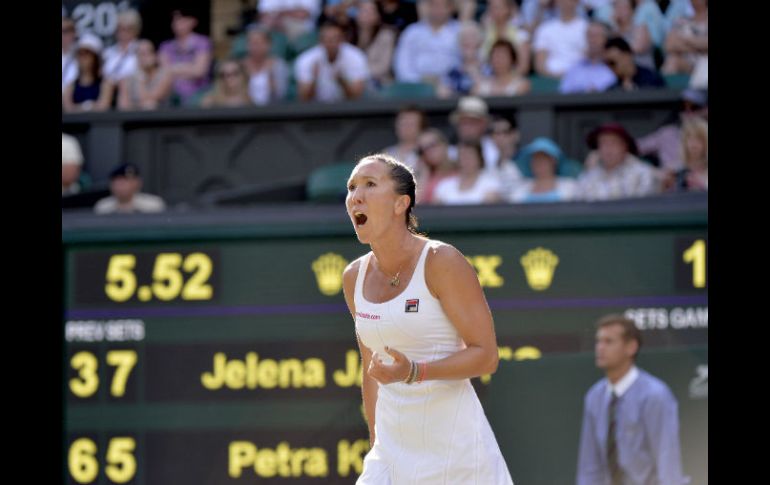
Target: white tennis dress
433,432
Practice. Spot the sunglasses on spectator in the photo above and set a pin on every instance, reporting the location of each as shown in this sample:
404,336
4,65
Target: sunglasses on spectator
67,30
611,62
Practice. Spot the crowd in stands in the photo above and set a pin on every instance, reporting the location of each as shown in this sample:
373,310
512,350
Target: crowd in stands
336,50
332,50
486,165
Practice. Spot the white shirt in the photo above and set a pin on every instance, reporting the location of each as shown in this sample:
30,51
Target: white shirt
350,62
421,51
119,64
565,189
633,178
139,203
448,191
259,83
565,43
312,6
624,383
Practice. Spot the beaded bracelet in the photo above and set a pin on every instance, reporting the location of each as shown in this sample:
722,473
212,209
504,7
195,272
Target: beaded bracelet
422,368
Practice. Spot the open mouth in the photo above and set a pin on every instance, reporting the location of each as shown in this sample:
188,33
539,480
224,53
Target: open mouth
360,218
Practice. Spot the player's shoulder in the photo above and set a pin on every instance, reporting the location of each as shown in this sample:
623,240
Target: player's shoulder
441,255
351,270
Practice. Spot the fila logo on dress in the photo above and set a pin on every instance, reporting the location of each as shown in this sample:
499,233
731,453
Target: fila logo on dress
412,305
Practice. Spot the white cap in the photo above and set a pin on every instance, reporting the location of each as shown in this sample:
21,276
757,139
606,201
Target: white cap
70,151
91,42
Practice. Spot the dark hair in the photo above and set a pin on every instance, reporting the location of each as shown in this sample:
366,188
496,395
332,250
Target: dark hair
505,44
618,43
329,24
413,108
354,31
258,29
96,68
405,184
630,330
511,120
476,147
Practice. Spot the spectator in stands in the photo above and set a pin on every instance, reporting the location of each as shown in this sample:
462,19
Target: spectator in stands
292,17
462,77
536,12
344,13
333,70
120,59
398,14
618,173
630,430
126,198
591,74
377,40
503,21
69,63
466,10
688,40
268,74
150,86
89,91
429,49
544,156
471,184
505,79
664,143
505,136
71,165
187,57
631,76
560,43
433,166
695,156
677,9
471,120
410,123
640,23
231,88
592,7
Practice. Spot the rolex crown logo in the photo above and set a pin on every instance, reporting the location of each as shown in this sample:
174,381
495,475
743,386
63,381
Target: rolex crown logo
539,266
328,270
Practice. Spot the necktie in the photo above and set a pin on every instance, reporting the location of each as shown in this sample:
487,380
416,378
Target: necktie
616,475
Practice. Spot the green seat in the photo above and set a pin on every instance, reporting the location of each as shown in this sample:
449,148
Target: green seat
302,43
329,183
409,90
238,47
541,84
677,81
